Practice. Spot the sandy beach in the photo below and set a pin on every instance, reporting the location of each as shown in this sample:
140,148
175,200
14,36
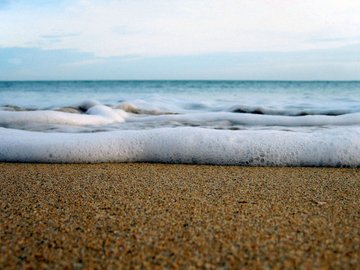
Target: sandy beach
155,216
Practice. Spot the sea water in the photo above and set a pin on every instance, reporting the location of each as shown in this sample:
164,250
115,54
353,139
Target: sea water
276,123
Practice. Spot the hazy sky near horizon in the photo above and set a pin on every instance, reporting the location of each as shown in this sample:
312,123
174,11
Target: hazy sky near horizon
173,39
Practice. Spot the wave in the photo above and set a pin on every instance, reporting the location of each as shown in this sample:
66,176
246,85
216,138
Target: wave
158,106
95,114
93,117
288,112
337,147
257,120
131,108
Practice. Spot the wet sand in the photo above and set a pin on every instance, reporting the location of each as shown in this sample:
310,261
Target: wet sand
154,216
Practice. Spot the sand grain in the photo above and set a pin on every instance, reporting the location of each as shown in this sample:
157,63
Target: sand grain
154,216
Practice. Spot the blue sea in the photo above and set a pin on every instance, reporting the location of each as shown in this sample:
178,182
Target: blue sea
266,123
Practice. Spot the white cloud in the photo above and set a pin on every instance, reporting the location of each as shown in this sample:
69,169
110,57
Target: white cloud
174,27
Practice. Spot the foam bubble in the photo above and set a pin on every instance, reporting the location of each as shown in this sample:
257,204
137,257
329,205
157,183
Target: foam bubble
328,147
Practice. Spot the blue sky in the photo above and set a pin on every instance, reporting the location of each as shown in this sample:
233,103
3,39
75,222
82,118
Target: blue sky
138,39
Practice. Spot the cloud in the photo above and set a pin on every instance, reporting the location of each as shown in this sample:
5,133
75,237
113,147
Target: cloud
160,28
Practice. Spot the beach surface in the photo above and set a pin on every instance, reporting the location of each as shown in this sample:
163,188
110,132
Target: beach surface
156,216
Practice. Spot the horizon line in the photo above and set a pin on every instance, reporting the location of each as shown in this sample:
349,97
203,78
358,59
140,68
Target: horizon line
174,80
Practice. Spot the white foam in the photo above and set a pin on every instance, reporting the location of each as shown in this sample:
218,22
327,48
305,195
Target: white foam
328,147
95,115
107,113
98,116
259,120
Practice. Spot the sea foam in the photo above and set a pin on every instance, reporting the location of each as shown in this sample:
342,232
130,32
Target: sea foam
260,120
97,114
329,147
224,122
101,115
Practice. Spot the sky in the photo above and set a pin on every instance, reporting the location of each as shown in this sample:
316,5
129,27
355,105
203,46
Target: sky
180,39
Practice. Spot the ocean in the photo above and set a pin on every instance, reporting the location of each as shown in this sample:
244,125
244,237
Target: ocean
262,123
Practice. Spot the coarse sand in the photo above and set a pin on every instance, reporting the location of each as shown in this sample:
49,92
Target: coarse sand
161,216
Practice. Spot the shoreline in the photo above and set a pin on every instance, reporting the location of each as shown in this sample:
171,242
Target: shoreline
144,215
